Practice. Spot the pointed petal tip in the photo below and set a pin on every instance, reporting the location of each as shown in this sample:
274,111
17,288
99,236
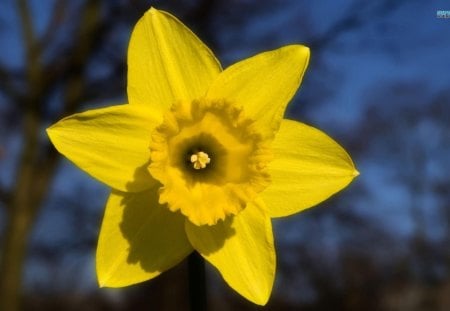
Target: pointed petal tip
300,48
153,11
51,130
355,173
304,48
261,300
100,280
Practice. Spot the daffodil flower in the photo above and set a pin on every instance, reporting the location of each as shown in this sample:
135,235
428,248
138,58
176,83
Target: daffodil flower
200,159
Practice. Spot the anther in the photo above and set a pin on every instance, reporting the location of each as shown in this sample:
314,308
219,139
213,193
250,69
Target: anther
200,159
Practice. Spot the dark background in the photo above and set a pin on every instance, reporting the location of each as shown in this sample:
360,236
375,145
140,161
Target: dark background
378,82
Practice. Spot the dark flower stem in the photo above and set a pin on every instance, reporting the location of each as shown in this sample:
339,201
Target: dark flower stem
197,282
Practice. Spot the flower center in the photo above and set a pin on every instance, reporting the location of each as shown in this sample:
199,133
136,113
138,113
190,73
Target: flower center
199,160
210,160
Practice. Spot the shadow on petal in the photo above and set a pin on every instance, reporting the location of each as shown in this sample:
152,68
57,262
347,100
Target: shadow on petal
141,179
156,236
210,239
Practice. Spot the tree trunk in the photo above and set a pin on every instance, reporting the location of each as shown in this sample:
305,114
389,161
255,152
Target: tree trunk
21,214
16,237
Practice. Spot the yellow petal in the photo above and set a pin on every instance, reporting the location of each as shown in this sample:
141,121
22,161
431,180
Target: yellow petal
111,144
167,62
139,239
241,248
308,167
263,84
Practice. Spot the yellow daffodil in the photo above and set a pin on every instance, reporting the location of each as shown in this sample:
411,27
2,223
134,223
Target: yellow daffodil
200,159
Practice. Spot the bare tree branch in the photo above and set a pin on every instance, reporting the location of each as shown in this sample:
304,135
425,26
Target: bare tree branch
57,18
9,83
5,196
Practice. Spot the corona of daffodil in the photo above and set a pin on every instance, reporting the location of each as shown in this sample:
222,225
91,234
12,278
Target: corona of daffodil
200,159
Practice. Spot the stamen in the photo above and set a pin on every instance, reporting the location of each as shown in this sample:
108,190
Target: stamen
200,159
